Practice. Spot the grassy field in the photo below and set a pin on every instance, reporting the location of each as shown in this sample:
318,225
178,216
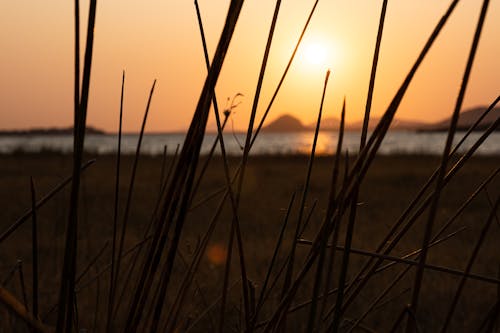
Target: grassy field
390,185
189,266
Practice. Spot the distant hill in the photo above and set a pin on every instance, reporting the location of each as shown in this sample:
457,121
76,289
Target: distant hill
288,123
396,124
50,131
466,119
327,124
285,123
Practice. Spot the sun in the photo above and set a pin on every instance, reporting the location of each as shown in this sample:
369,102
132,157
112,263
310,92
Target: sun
315,54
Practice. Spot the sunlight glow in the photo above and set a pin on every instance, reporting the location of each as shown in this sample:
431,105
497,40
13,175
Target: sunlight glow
316,54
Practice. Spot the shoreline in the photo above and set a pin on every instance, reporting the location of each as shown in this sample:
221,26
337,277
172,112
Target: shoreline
395,143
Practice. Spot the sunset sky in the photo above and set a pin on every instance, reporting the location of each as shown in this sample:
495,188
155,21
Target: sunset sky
159,39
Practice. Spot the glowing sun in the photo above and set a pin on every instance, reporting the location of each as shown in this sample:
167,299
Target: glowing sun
315,54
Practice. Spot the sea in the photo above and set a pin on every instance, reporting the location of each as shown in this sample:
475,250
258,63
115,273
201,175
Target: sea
397,142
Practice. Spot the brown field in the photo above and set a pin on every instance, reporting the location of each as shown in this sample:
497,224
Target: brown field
387,190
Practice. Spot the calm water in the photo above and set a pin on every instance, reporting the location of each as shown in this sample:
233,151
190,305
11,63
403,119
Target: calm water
266,143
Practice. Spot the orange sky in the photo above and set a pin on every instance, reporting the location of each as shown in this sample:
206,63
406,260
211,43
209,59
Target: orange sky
160,39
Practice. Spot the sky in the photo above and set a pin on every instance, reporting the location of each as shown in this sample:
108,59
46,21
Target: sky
160,39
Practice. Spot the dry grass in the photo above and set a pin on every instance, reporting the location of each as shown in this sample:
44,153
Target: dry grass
270,180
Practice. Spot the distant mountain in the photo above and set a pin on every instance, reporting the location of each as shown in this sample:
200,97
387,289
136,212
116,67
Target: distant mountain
285,123
50,131
396,124
288,123
327,124
466,119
